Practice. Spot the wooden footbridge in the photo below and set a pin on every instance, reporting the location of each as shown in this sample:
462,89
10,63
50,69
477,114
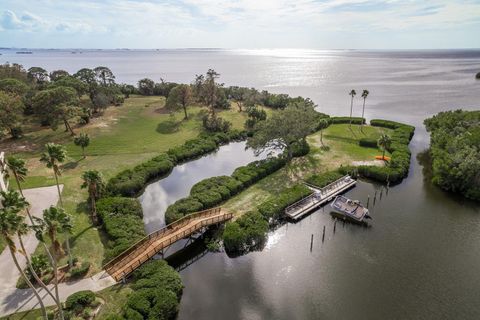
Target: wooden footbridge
319,197
142,251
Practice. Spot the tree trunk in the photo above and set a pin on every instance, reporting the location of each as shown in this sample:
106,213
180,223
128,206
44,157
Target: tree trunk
321,137
185,111
30,267
363,113
239,106
93,206
42,306
55,277
351,111
69,128
383,154
83,152
58,188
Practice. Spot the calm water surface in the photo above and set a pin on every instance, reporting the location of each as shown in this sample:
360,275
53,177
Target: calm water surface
421,256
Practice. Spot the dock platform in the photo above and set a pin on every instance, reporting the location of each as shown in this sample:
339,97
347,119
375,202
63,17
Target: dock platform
319,197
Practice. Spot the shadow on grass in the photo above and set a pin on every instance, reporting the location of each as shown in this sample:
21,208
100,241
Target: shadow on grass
70,165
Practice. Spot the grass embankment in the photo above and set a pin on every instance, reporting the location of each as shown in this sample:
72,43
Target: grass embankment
122,138
343,149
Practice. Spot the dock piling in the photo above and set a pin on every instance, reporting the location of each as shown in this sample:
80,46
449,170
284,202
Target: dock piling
311,243
323,236
335,225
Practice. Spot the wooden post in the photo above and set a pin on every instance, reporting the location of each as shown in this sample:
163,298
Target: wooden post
323,236
311,243
368,201
335,225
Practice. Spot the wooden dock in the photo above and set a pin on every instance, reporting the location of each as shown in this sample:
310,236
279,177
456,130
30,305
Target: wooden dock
142,251
319,197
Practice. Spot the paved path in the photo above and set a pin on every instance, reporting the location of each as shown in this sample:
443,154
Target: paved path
13,299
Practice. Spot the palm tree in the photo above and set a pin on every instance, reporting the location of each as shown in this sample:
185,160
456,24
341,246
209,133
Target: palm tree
19,170
11,224
365,94
40,229
384,142
352,93
54,154
323,123
56,221
93,181
82,140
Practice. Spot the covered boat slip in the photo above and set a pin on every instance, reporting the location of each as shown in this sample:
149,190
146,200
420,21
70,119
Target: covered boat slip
349,208
319,197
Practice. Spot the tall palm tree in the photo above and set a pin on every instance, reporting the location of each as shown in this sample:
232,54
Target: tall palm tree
11,224
19,170
323,123
352,93
53,155
364,96
15,200
82,140
384,142
93,181
40,229
55,220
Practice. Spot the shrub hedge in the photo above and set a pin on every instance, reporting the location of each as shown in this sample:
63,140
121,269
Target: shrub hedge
368,142
321,180
157,291
80,300
399,165
131,181
355,120
122,222
249,231
212,191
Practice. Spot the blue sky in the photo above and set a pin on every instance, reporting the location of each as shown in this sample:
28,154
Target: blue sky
322,24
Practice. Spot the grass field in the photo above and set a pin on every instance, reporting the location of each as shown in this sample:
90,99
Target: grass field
123,137
343,149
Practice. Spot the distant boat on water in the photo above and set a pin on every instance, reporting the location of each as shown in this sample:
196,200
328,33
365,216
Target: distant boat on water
24,52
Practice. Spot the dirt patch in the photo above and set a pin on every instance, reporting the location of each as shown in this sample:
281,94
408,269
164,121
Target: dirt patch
161,110
377,163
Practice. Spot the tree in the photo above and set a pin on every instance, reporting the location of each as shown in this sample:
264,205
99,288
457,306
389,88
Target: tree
88,76
53,155
364,96
283,129
384,142
94,183
69,81
352,94
127,90
179,97
13,86
82,140
13,70
38,75
56,105
11,224
11,110
58,74
254,116
210,89
240,95
104,75
56,221
13,199
322,124
146,87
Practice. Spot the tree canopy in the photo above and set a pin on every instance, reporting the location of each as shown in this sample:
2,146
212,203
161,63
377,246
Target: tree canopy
11,109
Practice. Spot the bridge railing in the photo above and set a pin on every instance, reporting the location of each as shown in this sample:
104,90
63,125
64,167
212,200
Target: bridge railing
153,251
146,241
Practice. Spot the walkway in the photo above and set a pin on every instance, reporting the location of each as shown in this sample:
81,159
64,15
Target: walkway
318,197
121,266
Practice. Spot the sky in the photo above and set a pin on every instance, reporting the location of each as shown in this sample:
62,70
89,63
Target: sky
315,24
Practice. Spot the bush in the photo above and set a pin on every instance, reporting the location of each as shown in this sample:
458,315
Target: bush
79,300
213,123
80,271
246,233
122,222
274,206
181,208
354,120
157,291
321,180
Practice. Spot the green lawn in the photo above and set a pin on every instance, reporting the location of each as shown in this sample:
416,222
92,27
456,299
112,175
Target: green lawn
343,149
122,138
